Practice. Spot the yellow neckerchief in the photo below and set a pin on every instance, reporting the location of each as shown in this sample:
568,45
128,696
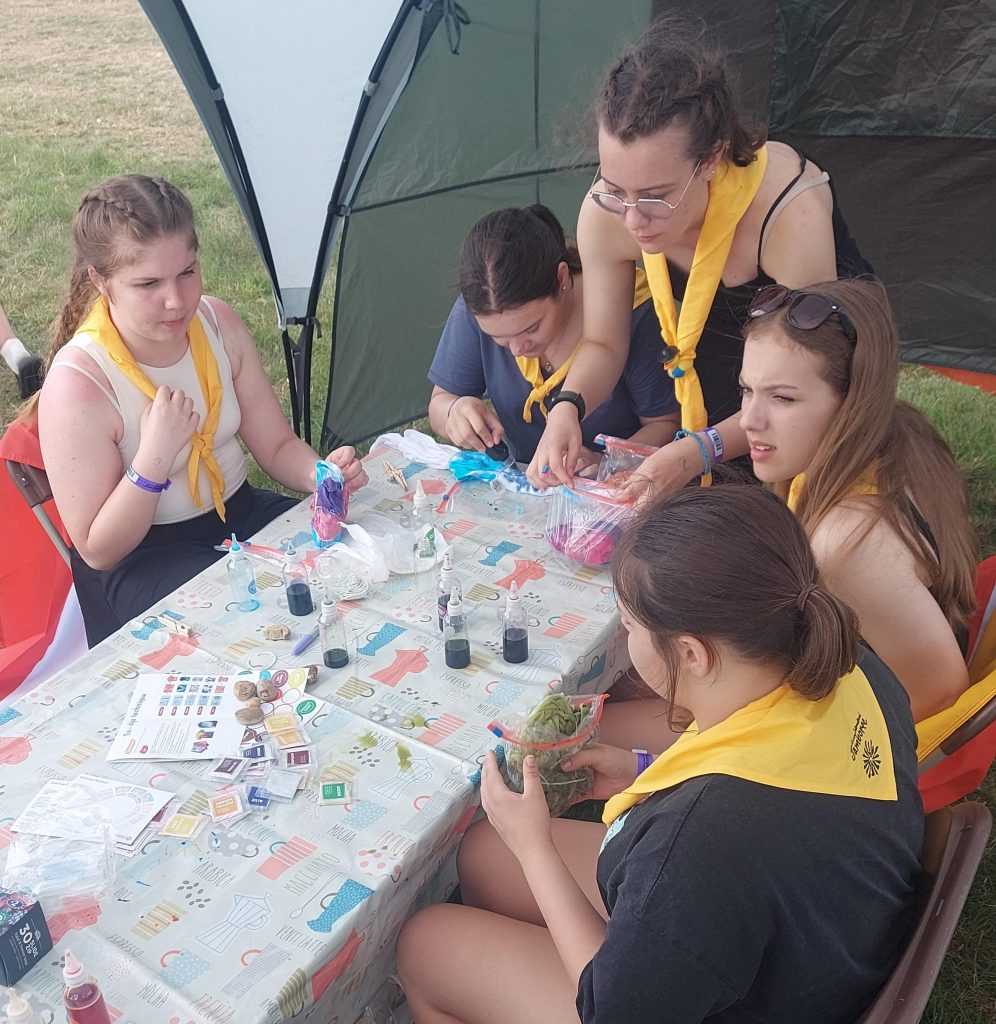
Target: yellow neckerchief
730,194
839,746
530,367
99,326
867,483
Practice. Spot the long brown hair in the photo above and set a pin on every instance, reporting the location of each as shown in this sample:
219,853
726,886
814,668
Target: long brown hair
511,257
875,432
732,565
113,221
671,74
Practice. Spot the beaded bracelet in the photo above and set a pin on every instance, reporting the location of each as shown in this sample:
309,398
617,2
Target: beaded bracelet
716,442
703,448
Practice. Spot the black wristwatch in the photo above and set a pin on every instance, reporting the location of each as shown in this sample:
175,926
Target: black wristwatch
570,396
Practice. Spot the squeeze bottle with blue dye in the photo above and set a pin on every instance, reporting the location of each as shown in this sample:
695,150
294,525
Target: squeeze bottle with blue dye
425,534
242,578
456,643
515,629
332,633
296,584
443,589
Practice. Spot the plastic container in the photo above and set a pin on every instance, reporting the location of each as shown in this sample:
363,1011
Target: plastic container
554,730
332,634
456,643
586,520
242,578
514,629
82,997
621,457
296,584
443,588
19,1011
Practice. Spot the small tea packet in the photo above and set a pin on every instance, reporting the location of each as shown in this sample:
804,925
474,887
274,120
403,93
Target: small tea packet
256,797
256,752
227,804
281,721
184,826
290,738
298,757
226,768
330,793
282,784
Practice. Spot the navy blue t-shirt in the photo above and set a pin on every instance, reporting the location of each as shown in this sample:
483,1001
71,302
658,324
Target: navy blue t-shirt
470,362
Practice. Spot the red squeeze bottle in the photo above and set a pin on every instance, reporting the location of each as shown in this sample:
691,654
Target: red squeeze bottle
82,997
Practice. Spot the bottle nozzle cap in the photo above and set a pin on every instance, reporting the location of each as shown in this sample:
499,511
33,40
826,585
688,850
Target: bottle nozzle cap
293,555
236,546
513,593
420,497
17,1004
73,969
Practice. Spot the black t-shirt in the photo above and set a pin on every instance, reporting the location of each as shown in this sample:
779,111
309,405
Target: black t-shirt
734,902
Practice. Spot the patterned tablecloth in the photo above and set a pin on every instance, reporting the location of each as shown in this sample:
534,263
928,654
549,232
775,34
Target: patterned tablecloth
294,911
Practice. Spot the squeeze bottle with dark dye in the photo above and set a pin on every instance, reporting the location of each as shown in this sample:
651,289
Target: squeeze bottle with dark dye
456,643
82,997
515,629
296,583
332,633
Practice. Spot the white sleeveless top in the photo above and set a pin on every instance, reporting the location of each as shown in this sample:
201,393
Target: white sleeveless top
175,505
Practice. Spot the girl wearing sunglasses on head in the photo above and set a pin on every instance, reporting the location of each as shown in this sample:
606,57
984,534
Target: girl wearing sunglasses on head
870,479
713,213
762,869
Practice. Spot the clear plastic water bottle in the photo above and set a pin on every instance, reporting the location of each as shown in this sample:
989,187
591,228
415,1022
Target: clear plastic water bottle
242,578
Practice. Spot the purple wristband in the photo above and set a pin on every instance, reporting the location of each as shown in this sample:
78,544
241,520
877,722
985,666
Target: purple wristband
147,485
643,761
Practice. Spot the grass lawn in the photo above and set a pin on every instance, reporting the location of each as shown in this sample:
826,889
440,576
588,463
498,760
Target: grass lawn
70,122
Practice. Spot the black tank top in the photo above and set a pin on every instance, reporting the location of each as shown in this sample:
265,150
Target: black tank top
721,348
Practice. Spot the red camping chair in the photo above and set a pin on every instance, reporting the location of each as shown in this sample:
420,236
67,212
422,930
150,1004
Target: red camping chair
957,747
34,558
953,845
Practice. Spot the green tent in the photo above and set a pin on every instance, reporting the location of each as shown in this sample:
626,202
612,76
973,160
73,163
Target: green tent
373,135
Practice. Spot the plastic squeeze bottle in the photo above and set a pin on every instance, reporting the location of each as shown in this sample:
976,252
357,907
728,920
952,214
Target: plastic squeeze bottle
443,588
332,632
456,643
82,997
515,629
425,535
19,1010
242,578
299,601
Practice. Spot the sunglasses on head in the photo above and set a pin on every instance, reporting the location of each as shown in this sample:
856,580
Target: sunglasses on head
806,310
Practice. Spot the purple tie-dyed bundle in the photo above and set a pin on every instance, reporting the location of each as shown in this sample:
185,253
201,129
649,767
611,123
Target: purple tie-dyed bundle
331,504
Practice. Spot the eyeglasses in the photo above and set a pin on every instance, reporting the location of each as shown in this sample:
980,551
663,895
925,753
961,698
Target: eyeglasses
657,209
806,310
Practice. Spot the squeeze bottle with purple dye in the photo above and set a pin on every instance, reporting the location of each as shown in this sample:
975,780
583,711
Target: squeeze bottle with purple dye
515,629
296,584
456,643
332,631
82,997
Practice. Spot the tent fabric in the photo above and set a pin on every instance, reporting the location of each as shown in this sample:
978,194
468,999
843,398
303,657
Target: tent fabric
383,130
34,579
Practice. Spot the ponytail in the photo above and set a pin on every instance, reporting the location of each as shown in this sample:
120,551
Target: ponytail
731,566
826,642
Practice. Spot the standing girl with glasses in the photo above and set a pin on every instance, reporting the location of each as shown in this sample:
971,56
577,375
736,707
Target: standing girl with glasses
150,385
712,213
762,869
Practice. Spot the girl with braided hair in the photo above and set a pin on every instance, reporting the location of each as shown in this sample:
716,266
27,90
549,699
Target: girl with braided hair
149,387
761,869
712,213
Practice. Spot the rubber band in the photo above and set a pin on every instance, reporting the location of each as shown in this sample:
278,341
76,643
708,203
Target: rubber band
253,660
